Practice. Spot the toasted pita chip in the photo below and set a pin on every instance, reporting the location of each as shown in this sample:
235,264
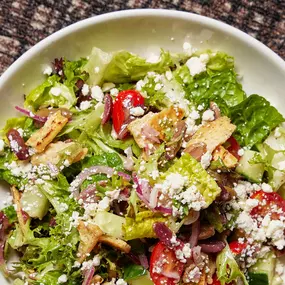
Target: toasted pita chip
54,153
228,159
45,135
89,237
116,243
212,134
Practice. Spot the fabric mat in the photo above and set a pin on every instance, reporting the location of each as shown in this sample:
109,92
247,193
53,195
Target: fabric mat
23,23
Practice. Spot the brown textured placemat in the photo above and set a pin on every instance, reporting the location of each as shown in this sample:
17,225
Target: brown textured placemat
23,23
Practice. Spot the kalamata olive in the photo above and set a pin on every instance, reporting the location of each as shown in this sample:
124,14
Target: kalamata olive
45,112
18,145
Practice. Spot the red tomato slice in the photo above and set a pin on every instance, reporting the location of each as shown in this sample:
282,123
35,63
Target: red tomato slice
237,247
123,103
270,203
233,147
165,269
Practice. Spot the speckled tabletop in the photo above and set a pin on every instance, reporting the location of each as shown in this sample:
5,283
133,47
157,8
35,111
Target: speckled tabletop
23,23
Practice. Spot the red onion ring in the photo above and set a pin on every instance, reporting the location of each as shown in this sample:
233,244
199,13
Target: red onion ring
164,234
143,261
31,114
196,254
107,109
88,276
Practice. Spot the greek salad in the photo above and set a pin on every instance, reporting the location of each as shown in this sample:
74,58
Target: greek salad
126,170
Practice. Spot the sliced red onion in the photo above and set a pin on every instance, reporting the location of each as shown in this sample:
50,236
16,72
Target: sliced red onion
75,185
52,222
88,276
153,197
107,109
143,261
134,258
53,168
197,150
212,246
4,225
25,216
125,175
164,210
88,195
214,107
196,254
129,162
18,144
195,234
139,190
150,133
192,218
31,114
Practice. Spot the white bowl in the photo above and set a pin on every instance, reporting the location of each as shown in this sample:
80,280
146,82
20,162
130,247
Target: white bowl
145,32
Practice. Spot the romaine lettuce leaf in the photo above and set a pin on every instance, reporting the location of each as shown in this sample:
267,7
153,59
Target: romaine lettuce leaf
142,225
189,167
254,118
128,67
227,268
66,85
24,123
96,65
219,81
133,271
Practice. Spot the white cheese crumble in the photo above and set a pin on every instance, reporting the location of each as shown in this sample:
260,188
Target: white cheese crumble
84,105
97,93
121,282
197,65
104,204
266,188
47,70
208,115
137,111
241,152
114,91
206,159
85,89
153,58
62,278
55,91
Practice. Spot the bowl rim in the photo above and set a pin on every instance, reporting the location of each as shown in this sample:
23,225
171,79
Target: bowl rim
133,13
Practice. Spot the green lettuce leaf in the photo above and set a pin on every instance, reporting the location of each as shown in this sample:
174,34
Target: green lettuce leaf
24,123
254,118
142,225
96,65
10,213
128,67
41,95
227,268
188,166
133,271
219,81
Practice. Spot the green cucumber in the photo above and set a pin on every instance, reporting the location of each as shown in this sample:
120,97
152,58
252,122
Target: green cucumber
253,172
35,203
257,279
264,266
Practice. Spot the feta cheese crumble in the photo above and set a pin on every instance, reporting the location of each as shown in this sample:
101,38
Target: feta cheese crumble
97,93
196,64
62,279
137,111
84,105
47,70
85,89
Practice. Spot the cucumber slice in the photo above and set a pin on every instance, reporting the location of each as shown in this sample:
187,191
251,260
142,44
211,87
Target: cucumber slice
257,279
266,266
35,203
144,280
252,172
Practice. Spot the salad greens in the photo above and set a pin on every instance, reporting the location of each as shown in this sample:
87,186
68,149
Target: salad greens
126,170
